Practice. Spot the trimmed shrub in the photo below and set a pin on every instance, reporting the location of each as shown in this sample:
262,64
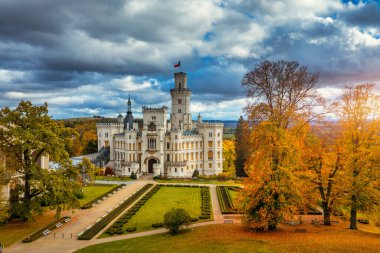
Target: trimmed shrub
131,229
157,225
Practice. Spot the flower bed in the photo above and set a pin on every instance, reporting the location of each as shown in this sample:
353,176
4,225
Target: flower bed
100,198
225,202
47,230
92,231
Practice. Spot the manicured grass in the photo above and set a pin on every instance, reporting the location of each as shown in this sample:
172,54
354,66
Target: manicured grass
167,197
15,231
232,238
93,191
200,181
110,178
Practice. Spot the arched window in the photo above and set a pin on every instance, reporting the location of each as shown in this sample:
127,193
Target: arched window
210,155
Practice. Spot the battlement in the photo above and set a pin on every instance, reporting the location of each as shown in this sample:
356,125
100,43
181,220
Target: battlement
154,110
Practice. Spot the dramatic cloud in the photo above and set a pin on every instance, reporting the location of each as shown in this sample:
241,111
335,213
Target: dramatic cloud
85,57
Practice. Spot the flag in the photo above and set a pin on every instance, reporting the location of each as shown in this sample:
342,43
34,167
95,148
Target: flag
178,64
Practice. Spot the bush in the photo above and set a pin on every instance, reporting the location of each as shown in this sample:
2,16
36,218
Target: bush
157,225
194,219
204,217
196,173
175,218
133,175
131,229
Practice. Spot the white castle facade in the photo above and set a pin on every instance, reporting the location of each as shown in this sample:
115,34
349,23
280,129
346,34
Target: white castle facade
174,147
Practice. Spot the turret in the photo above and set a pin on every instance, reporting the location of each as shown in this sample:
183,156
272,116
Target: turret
180,117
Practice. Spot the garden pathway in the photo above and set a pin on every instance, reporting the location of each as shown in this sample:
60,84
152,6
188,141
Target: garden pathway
65,237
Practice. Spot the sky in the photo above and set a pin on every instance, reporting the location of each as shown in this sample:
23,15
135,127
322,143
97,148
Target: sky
84,57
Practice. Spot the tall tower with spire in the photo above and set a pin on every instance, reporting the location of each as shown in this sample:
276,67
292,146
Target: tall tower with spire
180,117
128,120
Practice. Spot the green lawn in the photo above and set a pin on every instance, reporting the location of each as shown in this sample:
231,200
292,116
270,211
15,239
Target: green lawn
231,238
93,191
200,181
188,198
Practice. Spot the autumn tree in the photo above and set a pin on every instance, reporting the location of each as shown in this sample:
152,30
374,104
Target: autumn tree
358,115
242,146
324,157
27,135
283,95
229,157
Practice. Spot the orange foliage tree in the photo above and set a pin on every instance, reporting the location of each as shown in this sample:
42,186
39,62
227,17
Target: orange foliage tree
359,120
283,95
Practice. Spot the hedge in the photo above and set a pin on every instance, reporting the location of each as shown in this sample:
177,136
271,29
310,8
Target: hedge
94,201
224,198
92,231
49,227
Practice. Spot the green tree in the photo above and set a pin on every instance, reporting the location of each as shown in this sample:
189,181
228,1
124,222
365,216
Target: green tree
242,146
91,147
27,135
176,218
87,170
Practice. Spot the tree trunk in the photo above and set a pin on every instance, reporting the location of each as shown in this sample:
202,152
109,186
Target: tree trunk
272,227
353,213
326,213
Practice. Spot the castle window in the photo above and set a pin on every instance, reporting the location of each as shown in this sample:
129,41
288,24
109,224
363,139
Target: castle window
152,143
179,101
176,137
218,154
210,144
175,169
153,118
179,110
218,134
209,134
130,137
181,169
218,143
210,165
168,145
210,155
167,157
180,85
129,169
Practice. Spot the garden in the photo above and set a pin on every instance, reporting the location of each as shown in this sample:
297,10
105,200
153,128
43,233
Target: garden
95,193
149,211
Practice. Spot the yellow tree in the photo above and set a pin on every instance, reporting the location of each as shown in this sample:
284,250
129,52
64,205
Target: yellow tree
283,95
323,157
229,157
358,113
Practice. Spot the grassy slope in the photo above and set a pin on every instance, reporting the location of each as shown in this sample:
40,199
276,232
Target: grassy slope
94,191
232,238
163,200
16,231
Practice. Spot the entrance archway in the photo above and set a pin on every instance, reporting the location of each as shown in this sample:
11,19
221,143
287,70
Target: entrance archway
150,165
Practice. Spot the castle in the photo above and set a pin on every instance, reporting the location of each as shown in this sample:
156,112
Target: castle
158,146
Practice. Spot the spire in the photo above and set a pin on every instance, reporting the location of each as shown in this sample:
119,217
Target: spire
129,103
128,120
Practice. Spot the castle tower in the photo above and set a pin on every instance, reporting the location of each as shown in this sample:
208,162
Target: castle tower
128,120
180,117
